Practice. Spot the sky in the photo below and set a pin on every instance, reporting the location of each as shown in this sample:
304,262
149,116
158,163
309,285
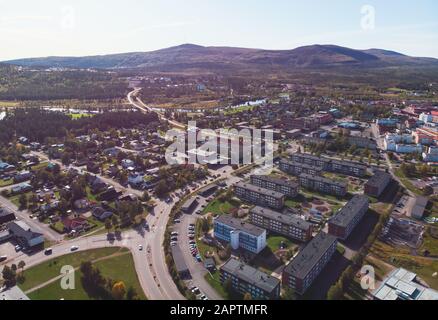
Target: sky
90,27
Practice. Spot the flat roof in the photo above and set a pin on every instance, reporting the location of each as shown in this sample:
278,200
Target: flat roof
251,275
324,180
283,182
178,258
256,189
350,211
239,224
378,178
301,165
188,203
288,219
307,258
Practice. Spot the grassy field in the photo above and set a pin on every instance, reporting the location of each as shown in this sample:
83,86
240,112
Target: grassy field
118,268
430,241
407,182
401,257
51,268
214,281
218,207
5,183
76,116
274,242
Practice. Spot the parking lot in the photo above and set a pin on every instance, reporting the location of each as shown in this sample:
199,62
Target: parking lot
8,249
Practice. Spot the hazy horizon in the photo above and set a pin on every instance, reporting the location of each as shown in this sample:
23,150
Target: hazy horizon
60,28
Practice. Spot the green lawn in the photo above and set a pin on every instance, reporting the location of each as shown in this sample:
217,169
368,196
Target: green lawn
430,241
274,242
40,166
5,183
51,268
218,207
119,268
407,182
214,281
75,116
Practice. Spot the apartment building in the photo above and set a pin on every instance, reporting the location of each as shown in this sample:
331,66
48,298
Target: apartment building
346,219
259,196
285,224
246,279
323,185
240,234
377,184
287,187
296,168
300,273
336,166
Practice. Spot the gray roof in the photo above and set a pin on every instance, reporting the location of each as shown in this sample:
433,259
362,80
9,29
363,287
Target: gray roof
178,258
378,178
5,212
254,188
238,224
279,181
22,230
349,163
419,206
284,218
301,165
309,156
307,258
350,211
324,180
188,203
251,275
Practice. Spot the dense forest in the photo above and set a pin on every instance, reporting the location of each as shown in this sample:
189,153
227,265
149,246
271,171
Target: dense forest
38,124
17,84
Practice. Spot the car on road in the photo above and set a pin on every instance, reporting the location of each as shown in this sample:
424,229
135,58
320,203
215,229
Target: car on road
196,290
3,258
204,297
74,248
48,251
140,247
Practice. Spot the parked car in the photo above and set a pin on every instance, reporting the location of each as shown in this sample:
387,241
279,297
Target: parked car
3,258
48,251
18,248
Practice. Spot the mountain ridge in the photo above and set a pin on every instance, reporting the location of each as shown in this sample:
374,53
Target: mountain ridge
188,56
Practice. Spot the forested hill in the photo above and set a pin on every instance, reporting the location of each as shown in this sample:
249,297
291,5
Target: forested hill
21,84
39,124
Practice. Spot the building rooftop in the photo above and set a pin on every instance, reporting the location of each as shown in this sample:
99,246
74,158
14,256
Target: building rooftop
284,218
378,178
349,211
324,180
283,182
13,293
402,284
307,258
251,275
264,191
302,165
238,224
178,257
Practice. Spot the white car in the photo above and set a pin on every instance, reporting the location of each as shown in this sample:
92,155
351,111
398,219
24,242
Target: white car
140,247
174,233
74,248
173,243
